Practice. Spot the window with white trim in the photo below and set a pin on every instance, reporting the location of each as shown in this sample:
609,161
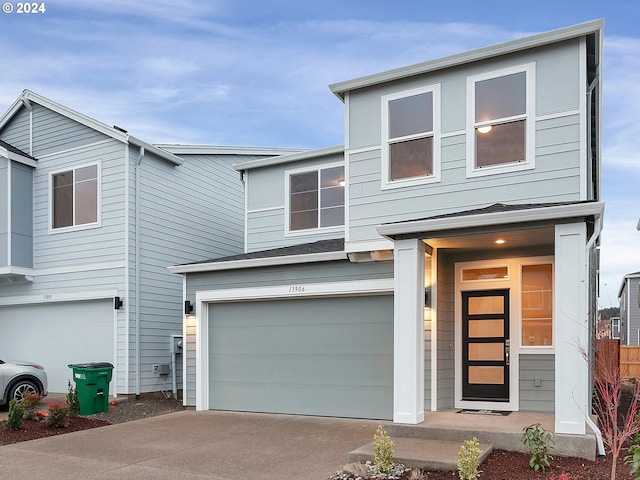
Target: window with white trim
411,137
316,199
74,197
537,305
500,124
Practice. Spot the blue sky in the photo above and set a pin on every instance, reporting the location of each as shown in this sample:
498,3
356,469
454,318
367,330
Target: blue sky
256,73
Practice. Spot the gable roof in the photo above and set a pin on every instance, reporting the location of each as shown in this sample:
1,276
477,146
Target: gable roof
27,97
322,250
588,28
291,157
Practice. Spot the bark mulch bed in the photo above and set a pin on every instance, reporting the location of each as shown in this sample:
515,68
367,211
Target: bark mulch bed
125,411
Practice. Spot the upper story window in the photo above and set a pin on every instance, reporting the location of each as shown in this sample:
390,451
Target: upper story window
411,137
316,198
500,121
74,197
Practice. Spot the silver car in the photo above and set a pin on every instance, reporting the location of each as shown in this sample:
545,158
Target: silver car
18,378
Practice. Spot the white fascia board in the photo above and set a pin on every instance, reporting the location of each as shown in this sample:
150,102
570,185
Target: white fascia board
158,152
546,38
16,157
624,281
258,262
58,297
293,157
497,218
222,150
69,113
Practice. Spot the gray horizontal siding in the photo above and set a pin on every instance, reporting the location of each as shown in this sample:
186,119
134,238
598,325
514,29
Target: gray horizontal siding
266,230
556,178
21,215
533,398
187,213
266,222
557,78
52,132
4,212
322,272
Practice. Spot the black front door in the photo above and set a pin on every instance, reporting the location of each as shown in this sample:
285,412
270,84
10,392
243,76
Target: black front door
485,345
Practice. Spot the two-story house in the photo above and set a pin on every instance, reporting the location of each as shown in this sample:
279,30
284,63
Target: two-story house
442,258
90,218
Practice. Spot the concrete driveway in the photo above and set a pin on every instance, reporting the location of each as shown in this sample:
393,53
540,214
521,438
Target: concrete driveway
194,445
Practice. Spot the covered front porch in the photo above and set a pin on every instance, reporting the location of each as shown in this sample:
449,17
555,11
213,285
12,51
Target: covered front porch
492,312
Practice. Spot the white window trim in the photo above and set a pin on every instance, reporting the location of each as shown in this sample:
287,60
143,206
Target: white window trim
84,226
530,117
386,182
539,349
287,200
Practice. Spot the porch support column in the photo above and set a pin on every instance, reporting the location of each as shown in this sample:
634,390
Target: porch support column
408,332
571,310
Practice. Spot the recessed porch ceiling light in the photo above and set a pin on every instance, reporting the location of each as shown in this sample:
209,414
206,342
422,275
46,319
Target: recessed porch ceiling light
500,241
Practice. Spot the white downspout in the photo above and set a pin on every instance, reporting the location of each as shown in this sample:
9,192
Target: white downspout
597,230
137,270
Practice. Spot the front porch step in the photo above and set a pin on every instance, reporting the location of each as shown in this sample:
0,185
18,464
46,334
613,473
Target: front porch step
421,453
503,433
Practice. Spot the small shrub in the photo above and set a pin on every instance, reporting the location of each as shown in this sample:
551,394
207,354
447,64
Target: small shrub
58,414
540,443
382,451
633,459
16,415
72,400
30,402
469,460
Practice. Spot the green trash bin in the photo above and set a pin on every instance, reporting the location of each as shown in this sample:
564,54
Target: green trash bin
92,382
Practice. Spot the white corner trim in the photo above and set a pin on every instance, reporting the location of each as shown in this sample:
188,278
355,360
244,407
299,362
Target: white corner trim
258,262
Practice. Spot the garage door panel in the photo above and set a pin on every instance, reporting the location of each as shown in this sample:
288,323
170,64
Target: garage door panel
327,339
56,335
344,401
372,370
321,356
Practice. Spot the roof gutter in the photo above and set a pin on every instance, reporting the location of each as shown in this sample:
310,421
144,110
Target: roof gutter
158,152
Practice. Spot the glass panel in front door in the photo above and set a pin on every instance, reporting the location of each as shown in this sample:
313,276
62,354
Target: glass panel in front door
485,345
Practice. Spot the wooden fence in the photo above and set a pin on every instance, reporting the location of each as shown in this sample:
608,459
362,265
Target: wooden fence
630,361
611,353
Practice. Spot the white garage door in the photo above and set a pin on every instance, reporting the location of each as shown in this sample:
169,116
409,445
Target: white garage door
317,356
56,335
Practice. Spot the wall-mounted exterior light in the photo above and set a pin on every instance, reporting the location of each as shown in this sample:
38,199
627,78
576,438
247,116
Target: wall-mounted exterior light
188,307
117,303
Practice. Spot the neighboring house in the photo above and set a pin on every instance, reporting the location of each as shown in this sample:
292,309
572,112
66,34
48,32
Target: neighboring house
629,298
91,218
443,258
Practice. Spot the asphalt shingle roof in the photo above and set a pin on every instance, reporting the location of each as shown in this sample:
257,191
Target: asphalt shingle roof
321,246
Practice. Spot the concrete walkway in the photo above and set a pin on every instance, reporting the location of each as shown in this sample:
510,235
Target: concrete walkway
193,445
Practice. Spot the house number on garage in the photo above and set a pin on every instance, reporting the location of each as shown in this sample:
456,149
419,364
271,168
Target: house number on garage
296,289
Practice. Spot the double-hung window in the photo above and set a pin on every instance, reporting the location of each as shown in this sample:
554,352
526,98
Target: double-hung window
316,198
411,137
500,121
74,197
